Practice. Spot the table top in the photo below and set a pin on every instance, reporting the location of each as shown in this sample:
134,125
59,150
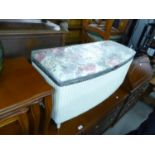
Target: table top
20,85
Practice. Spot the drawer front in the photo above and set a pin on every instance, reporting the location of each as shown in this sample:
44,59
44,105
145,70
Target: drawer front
142,71
127,107
133,99
104,124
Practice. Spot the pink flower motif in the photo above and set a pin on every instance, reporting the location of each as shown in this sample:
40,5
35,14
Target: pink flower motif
89,68
113,62
40,56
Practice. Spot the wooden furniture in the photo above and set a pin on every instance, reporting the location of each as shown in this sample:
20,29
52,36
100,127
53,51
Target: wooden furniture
102,29
140,72
105,29
19,39
146,43
22,90
136,81
147,97
74,35
152,82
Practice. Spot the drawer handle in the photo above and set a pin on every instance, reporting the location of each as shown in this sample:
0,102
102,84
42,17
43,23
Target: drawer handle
117,97
80,127
111,119
97,126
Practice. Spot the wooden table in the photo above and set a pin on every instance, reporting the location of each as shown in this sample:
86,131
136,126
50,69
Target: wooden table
22,90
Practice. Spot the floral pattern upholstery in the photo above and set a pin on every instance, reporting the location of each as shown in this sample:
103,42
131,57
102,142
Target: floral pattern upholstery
79,61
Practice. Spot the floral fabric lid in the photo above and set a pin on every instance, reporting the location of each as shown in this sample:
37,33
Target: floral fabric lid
71,64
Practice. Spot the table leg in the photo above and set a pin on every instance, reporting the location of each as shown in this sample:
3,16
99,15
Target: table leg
35,112
24,123
47,112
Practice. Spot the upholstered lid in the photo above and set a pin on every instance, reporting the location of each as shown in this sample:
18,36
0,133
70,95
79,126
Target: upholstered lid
71,64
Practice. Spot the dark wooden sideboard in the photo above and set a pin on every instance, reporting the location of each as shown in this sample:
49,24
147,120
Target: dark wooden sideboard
19,39
137,81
